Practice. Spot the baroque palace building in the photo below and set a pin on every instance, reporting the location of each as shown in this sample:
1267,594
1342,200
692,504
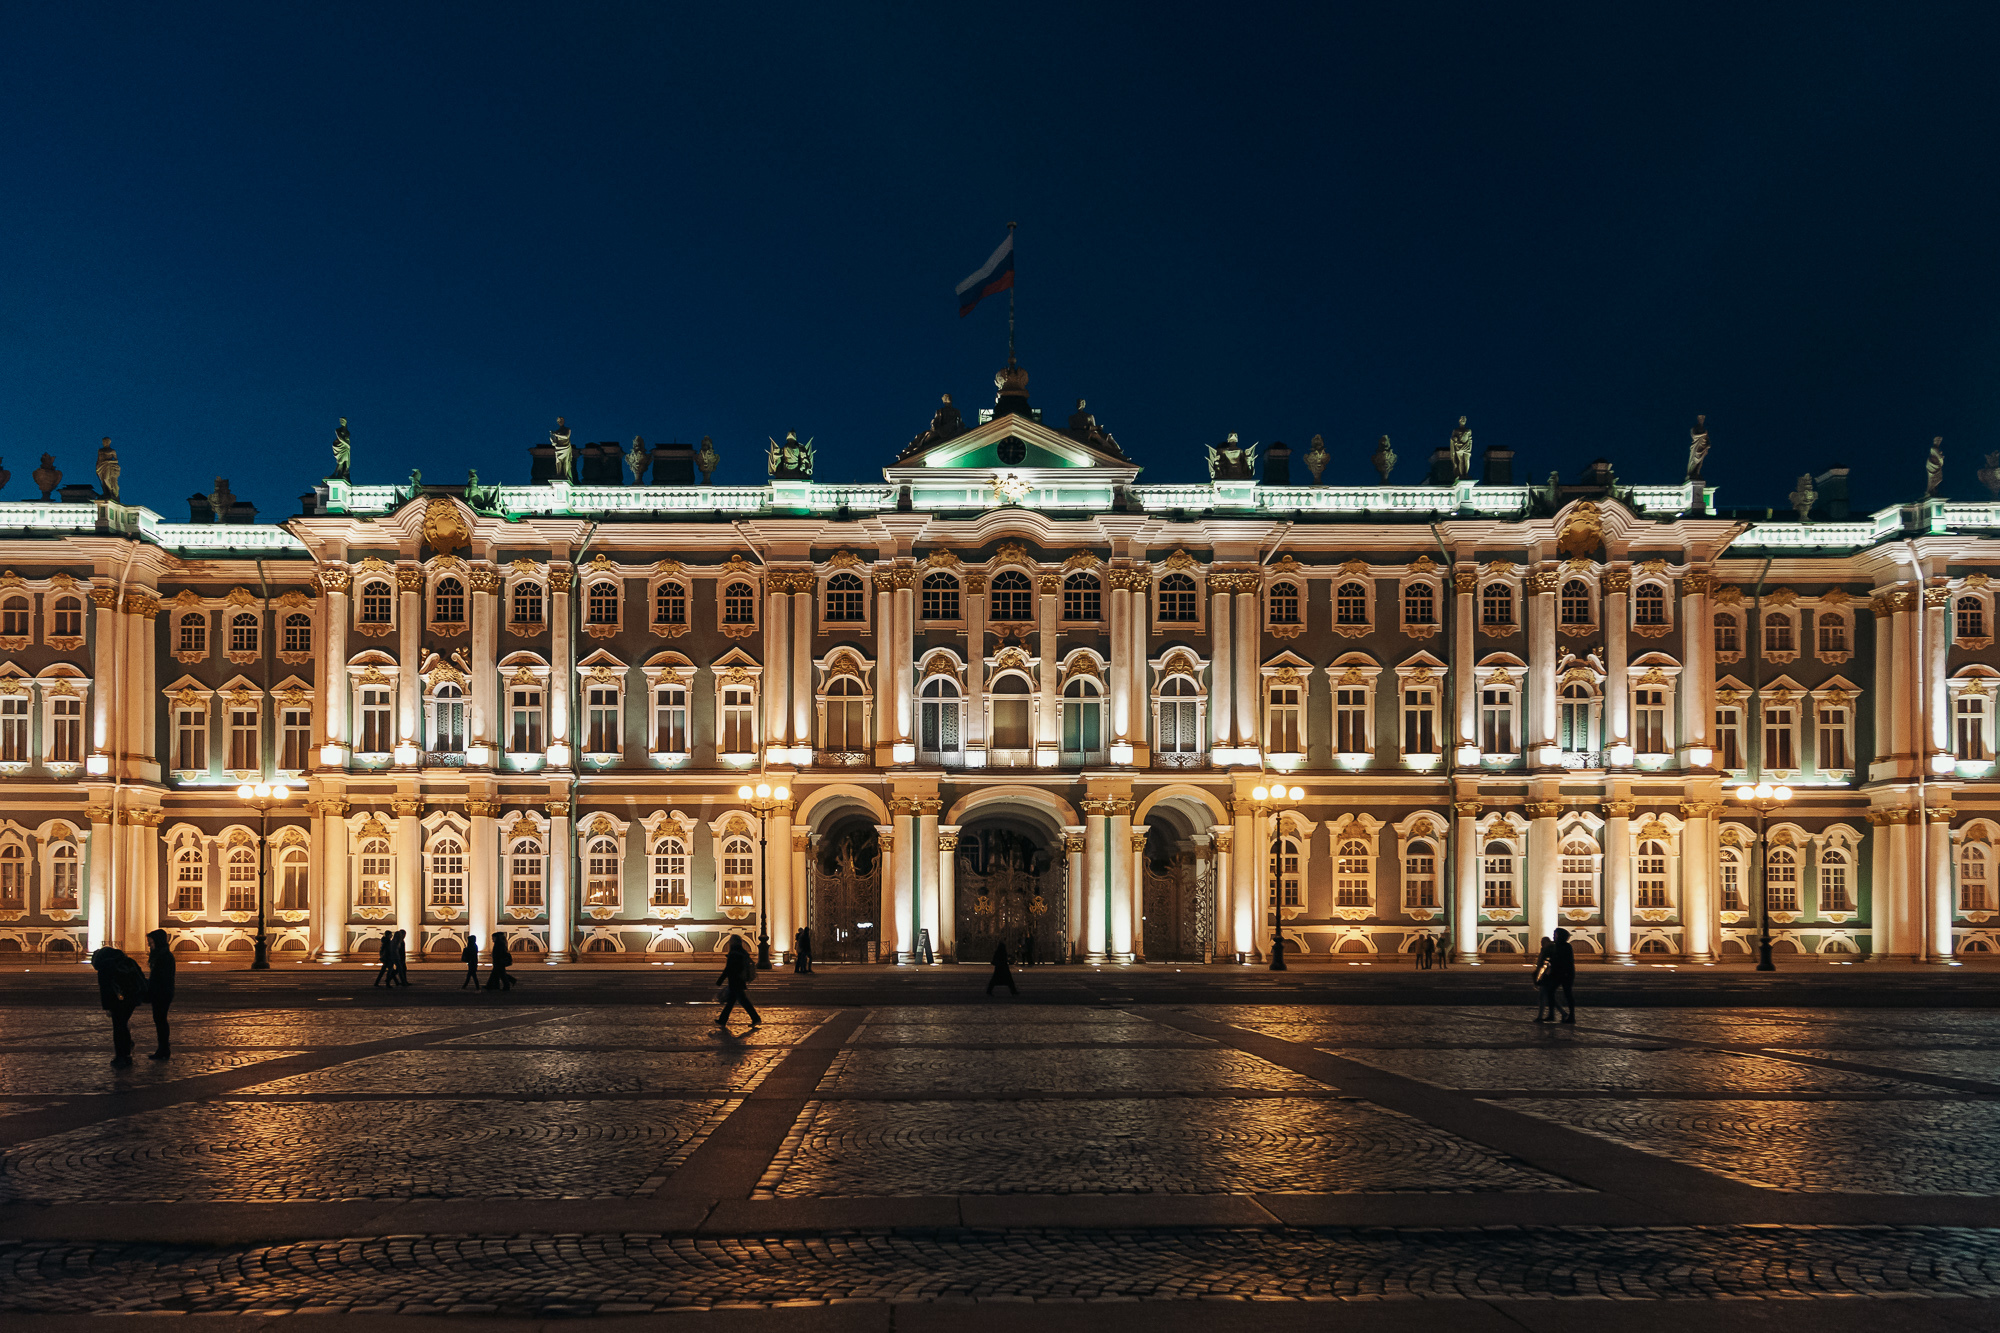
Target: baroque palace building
1012,693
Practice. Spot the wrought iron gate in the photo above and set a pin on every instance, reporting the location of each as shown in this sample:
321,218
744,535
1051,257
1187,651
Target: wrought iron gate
844,897
1009,890
1176,903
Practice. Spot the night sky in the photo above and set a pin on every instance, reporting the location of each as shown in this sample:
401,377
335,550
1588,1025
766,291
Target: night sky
1578,225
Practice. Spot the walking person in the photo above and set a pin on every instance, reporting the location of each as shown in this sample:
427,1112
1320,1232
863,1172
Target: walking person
120,987
1003,974
503,958
386,974
160,990
803,951
469,955
1543,996
1424,953
1560,975
402,958
738,969
1443,953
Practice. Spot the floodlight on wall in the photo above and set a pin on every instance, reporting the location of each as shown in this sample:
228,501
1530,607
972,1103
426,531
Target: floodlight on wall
902,752
1943,763
97,765
1468,756
407,755
559,755
1700,756
479,755
1620,756
1121,753
1548,756
331,756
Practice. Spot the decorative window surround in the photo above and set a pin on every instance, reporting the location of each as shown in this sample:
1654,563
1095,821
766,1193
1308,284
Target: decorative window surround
65,705
1298,831
524,688
733,844
669,864
369,673
1665,830
1578,599
524,587
187,701
1780,708
1422,589
1420,836
1834,705
739,598
1977,862
666,670
595,675
1287,598
1653,674
1836,873
846,684
1285,685
1500,679
737,673
600,890
1967,633
1971,695
524,865
1834,615
601,588
1182,564
1421,695
60,866
1180,709
1353,600
1501,886
1349,673
1498,578
1780,625
1354,846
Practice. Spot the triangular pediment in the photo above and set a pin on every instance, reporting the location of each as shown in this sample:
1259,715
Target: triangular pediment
1007,442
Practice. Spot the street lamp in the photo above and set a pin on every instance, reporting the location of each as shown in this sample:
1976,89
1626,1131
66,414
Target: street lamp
261,797
1275,800
1763,798
764,800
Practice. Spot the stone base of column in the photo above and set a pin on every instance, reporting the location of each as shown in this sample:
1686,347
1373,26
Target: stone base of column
1699,959
330,956
1465,959
563,956
1624,959
1873,957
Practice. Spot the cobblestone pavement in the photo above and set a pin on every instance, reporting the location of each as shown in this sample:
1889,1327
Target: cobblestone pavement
871,1071
1172,1145
536,1073
632,1036
1040,1034
69,1073
1609,1069
1956,1062
550,1275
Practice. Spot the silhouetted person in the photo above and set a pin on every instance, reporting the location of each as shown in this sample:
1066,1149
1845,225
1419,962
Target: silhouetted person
1558,972
1424,949
802,951
1002,973
1442,955
469,955
503,958
120,987
160,990
386,974
1544,998
402,958
738,968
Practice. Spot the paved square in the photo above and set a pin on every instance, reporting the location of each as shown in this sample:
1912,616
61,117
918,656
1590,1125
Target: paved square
1612,1069
70,1073
561,1074
868,1071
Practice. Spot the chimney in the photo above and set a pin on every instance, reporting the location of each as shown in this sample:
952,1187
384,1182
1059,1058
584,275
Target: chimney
673,464
1442,471
1499,466
1832,487
1278,464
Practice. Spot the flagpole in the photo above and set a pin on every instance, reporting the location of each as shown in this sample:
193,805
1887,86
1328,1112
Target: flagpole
1010,295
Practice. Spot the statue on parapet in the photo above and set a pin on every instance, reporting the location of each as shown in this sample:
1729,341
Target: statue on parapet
1934,468
565,451
343,452
706,460
635,459
108,469
1461,451
485,498
48,476
791,461
1232,460
946,423
1804,498
1317,458
1385,459
1697,446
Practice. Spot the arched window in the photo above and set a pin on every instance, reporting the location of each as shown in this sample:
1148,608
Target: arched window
1497,878
1778,633
1419,605
13,875
448,602
194,633
524,873
190,879
377,602
1012,709
1283,731
1649,605
670,604
1832,633
1835,894
846,599
447,873
1974,881
243,633
1420,875
1496,604
1353,875
1728,634
240,880
1574,723
1971,618
1012,596
1781,873
527,603
298,633
1283,600
1082,718
601,602
940,596
1731,880
1579,873
1176,601
67,620
1281,872
739,605
1654,945
739,870
448,719
1575,602
670,873
292,864
16,619
1083,598
63,876
600,873
1350,604
378,873
939,730
844,729
1179,722
1650,874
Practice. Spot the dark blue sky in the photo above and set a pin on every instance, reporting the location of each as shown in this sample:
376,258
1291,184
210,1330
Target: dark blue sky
1579,225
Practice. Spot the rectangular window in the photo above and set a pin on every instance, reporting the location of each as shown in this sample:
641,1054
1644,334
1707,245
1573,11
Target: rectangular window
739,872
1284,872
1420,876
1732,884
1649,717
1969,718
670,874
1350,721
375,732
376,600
1832,633
1579,876
448,874
1419,721
601,727
298,739
1728,739
527,603
1496,721
1650,867
64,877
524,730
1282,725
1833,886
524,878
1782,874
940,600
1777,634
670,604
194,634
1972,880
1778,738
244,752
448,722
298,634
1833,739
241,882
1498,881
13,729
13,876
1082,598
670,719
739,721
188,882
377,874
1352,875
66,744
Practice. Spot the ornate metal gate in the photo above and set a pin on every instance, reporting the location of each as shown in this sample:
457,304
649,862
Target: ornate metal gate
1011,890
1176,904
845,895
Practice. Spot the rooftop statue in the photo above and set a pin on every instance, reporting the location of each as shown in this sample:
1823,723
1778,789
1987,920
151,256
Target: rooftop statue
48,476
1934,468
635,459
1316,458
1385,459
1233,461
1461,451
1803,498
416,480
343,451
1697,447
108,469
477,496
707,460
791,460
1989,476
565,451
946,424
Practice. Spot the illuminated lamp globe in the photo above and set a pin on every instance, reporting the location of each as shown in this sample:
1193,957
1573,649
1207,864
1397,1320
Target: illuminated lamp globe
782,793
744,793
263,790
763,791
245,792
1259,793
279,791
1763,791
1298,793
1746,793
1781,793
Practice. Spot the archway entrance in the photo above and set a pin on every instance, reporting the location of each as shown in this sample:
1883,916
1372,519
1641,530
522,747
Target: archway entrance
846,893
1011,888
1178,892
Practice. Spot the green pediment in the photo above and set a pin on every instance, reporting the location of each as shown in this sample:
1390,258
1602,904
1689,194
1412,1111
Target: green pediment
1013,450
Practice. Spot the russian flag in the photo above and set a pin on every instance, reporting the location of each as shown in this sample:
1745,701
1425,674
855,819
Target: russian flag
995,275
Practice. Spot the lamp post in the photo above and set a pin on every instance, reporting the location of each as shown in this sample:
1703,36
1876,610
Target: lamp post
763,800
1274,801
1764,798
261,797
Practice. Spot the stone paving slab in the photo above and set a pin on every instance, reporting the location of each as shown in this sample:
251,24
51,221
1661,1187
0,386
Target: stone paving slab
1873,1147
1864,1033
559,1074
1980,1065
1174,1145
1037,1034
529,1274
653,1015
1000,1011
631,1036
231,1150
914,1071
36,1073
1607,1069
1485,1035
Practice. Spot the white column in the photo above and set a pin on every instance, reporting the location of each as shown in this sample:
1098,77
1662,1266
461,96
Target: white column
409,842
1885,684
1221,889
1541,599
803,697
1048,722
975,662
481,872
103,636
777,854
1698,880
333,859
1137,680
333,683
1544,871
1138,890
1096,878
562,892
1464,652
409,657
1251,853
1120,834
482,722
104,928
1221,695
947,940
1893,914
1939,897
1697,682
329,900
1903,703
1936,705
905,654
1617,698
929,877
1466,859
906,862
777,659
1073,890
1618,881
1121,655
561,663
1248,660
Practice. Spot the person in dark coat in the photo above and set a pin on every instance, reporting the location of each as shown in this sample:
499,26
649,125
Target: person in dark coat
386,974
1555,970
1442,954
469,955
160,990
738,969
402,958
802,951
503,958
1002,972
120,987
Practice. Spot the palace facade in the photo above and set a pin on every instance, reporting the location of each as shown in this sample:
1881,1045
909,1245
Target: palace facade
1011,693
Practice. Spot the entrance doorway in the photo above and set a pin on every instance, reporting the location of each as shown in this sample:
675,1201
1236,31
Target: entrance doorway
1011,890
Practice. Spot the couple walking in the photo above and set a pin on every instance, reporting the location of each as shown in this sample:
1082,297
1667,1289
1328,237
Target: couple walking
1555,969
395,960
497,977
122,987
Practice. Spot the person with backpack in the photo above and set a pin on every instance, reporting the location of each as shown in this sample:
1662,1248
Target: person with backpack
386,974
160,990
121,986
469,955
738,968
503,958
402,977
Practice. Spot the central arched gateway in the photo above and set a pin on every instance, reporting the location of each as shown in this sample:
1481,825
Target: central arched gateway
1010,874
